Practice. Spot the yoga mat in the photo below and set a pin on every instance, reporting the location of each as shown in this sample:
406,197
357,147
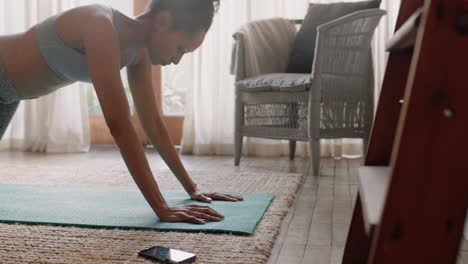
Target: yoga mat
119,208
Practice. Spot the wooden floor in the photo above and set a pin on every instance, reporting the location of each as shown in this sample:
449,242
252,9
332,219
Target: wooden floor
315,229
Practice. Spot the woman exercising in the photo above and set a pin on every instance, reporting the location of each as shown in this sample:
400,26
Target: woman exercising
91,44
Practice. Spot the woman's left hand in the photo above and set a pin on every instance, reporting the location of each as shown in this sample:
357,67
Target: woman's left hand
208,197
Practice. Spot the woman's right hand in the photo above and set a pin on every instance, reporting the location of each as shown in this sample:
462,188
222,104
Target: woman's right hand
192,213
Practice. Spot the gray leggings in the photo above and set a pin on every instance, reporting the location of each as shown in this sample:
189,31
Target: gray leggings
9,100
6,114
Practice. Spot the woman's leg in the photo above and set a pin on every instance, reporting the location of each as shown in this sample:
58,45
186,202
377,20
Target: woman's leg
6,114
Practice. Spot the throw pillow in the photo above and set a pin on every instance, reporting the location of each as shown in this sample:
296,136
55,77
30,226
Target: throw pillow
302,55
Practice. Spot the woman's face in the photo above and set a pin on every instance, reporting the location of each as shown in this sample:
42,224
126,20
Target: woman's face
167,45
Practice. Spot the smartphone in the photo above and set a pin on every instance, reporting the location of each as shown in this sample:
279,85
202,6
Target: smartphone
168,255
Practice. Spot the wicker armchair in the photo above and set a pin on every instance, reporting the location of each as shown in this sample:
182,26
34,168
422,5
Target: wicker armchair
334,101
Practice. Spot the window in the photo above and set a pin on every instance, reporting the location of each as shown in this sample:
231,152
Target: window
175,81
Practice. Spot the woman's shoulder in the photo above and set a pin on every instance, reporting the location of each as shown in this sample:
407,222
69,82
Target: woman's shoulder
96,10
88,15
93,13
78,26
75,24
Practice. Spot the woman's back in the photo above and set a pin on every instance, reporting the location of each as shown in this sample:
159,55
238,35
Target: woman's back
51,54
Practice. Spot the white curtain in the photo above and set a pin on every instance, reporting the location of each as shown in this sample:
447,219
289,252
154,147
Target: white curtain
209,119
59,121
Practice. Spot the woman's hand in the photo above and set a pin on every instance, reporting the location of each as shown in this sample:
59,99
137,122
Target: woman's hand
192,213
208,197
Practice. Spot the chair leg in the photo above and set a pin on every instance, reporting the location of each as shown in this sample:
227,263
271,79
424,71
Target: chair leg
238,125
314,146
365,144
238,149
292,149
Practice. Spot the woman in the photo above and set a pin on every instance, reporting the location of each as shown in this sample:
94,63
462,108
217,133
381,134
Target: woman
92,43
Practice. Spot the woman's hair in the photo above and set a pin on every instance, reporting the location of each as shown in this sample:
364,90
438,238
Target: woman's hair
189,15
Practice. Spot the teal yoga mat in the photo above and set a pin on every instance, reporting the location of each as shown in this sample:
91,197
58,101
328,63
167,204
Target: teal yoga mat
119,208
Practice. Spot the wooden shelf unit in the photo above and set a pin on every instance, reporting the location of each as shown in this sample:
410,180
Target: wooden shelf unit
413,190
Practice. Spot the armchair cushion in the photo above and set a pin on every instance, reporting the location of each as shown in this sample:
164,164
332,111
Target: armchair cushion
302,55
284,82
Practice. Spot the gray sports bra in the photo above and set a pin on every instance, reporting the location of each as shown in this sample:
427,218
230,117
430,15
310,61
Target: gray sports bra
66,62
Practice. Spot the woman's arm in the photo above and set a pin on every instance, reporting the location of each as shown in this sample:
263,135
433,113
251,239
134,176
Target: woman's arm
103,63
140,81
103,56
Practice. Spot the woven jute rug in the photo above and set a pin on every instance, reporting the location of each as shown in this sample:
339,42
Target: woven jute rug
20,243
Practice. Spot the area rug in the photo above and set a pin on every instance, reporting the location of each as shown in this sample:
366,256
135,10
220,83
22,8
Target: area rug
120,208
22,243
